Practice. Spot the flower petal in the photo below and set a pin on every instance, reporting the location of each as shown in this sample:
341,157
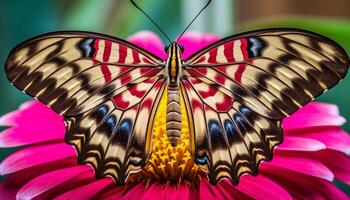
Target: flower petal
208,191
261,187
319,108
155,191
333,137
15,181
26,112
307,166
88,191
194,41
135,192
32,133
35,155
301,144
338,162
298,185
149,41
47,181
181,191
309,120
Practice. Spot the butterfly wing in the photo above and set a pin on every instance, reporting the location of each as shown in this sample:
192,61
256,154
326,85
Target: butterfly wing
241,87
106,88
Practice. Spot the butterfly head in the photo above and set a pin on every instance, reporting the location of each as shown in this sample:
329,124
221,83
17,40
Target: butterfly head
173,49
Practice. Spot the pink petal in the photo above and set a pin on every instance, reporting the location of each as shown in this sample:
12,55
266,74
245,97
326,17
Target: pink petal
333,137
329,190
149,41
309,120
32,133
298,185
230,192
301,144
182,191
194,41
208,191
307,166
135,192
223,190
338,162
153,192
35,155
45,182
26,112
87,191
261,187
15,181
319,108
114,193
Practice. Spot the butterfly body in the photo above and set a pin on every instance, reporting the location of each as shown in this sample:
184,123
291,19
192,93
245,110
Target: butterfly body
173,69
236,92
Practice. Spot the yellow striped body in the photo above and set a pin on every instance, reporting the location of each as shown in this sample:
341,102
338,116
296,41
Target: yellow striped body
173,115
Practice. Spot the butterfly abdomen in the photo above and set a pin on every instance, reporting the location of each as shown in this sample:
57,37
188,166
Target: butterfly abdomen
173,115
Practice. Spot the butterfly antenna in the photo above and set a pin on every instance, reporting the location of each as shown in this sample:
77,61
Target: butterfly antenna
206,5
133,2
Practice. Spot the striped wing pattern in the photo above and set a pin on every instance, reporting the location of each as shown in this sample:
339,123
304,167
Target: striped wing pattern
238,90
106,88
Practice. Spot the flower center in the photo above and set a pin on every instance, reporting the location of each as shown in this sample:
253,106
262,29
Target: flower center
169,164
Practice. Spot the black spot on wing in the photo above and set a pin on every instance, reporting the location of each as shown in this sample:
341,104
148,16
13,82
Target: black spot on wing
231,132
87,47
100,113
255,46
108,125
123,132
216,133
201,160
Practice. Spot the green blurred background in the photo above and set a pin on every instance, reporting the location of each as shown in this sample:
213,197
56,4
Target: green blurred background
20,20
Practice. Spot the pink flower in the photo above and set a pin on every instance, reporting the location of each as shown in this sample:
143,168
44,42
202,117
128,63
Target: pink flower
314,153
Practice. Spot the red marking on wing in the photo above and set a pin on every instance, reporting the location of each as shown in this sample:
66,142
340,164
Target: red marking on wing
187,85
202,70
228,51
223,69
242,67
135,92
211,92
244,48
220,79
125,78
158,84
119,102
196,104
122,53
201,59
225,105
147,103
136,57
106,54
96,49
145,60
212,55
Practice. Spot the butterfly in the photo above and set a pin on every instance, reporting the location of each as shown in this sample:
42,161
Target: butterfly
236,92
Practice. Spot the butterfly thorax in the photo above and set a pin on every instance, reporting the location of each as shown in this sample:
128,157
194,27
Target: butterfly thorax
173,64
173,70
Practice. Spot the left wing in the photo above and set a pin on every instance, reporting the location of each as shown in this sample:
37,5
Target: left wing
238,90
106,88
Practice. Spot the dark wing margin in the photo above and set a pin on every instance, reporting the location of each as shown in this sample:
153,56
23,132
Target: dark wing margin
238,90
106,88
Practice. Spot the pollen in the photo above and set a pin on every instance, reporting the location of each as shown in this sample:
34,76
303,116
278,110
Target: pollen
168,164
